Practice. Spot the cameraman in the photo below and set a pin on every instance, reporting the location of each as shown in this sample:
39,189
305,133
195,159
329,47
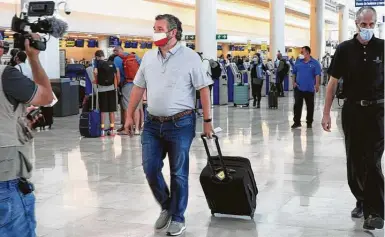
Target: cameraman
16,193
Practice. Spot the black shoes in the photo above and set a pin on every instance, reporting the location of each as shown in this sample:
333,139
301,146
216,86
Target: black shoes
296,125
373,222
258,105
254,103
358,211
309,125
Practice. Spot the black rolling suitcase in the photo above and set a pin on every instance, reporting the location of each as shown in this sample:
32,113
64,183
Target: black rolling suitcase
273,97
228,183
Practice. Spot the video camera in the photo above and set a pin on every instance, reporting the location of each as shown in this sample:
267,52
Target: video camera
45,24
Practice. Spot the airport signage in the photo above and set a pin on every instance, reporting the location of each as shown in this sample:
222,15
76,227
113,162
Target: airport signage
189,37
371,3
219,37
222,37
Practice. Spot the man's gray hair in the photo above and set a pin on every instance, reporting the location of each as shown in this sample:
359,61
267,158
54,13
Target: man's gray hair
173,23
364,9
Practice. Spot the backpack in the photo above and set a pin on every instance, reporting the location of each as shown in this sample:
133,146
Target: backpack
130,66
216,70
106,73
286,68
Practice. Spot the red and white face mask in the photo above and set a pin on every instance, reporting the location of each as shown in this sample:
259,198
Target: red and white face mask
160,39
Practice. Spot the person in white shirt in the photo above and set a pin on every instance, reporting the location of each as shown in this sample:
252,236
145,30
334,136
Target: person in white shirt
21,64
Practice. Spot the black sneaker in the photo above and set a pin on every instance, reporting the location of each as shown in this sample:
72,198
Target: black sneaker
358,211
373,222
258,105
309,125
296,125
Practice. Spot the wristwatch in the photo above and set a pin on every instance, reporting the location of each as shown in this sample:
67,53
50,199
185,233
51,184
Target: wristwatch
207,120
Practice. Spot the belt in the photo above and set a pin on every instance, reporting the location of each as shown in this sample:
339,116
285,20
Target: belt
170,118
365,103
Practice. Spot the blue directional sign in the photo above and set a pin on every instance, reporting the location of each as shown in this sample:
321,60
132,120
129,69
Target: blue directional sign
372,3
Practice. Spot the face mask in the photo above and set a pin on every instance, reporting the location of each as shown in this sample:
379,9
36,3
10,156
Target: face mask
160,39
301,56
366,34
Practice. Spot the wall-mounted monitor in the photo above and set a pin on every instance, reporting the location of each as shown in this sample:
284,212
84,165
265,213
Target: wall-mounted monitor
91,43
114,41
134,44
127,44
79,43
143,45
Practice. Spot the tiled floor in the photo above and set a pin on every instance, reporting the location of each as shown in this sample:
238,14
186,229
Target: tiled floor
96,187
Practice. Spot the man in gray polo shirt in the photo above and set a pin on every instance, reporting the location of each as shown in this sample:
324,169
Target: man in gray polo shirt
171,75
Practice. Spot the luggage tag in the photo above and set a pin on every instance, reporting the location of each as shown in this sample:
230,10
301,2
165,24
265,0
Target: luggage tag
220,175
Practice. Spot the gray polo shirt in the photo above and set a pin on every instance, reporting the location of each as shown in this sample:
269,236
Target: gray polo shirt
171,82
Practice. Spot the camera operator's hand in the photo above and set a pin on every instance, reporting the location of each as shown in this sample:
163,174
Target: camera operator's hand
35,119
31,51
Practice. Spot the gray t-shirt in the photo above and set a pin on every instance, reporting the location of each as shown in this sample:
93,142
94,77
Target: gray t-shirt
171,82
18,89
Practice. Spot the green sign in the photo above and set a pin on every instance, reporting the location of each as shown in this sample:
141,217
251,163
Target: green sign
189,37
222,37
219,37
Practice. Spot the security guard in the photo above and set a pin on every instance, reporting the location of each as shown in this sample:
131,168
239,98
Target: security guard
360,62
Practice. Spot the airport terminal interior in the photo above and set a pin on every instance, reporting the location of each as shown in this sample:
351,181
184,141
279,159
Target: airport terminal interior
96,187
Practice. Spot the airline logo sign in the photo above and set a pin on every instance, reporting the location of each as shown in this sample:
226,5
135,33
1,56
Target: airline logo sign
372,3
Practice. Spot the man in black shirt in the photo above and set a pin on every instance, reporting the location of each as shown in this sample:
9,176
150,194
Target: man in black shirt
360,62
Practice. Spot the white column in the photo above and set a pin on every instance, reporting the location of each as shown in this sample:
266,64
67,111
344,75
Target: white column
277,27
317,30
343,23
206,27
381,30
103,45
50,59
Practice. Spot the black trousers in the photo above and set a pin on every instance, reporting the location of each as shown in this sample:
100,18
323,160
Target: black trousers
299,97
279,84
364,142
256,90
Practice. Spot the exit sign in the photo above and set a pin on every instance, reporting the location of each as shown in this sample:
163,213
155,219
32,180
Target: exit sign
189,37
222,37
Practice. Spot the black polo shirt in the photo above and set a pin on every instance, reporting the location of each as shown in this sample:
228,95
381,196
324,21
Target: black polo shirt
362,68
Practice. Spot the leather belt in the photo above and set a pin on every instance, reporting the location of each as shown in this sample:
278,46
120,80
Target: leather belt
170,118
365,103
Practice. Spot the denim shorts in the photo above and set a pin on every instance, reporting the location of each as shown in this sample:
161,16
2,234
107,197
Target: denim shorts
17,211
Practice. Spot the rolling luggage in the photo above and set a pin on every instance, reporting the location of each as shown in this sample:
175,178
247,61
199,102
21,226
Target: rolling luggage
89,123
241,94
228,183
273,96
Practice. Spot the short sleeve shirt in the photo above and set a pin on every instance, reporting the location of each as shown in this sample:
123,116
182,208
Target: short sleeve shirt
306,73
17,88
361,67
171,81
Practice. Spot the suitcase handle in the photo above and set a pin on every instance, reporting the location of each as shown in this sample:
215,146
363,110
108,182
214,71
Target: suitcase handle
204,137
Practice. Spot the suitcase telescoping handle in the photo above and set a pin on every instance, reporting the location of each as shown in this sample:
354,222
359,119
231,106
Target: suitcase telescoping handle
224,169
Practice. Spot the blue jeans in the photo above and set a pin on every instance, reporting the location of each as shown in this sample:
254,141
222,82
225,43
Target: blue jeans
17,211
173,138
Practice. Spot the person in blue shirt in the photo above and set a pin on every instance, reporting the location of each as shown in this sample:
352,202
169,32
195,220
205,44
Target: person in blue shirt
125,87
306,81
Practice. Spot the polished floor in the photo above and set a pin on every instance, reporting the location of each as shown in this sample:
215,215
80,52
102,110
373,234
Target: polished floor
96,187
